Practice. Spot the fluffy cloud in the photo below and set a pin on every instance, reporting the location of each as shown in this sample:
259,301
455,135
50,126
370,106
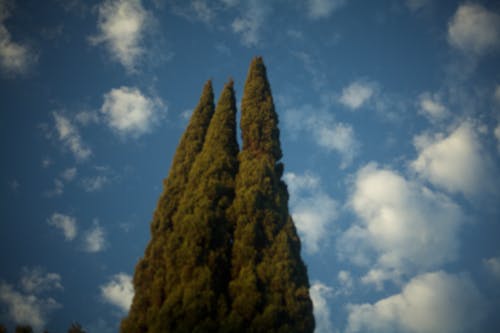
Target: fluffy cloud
431,107
312,209
94,239
326,132
455,162
474,30
15,58
250,22
65,223
129,112
119,291
122,25
70,137
320,293
35,280
493,266
404,227
432,302
323,8
356,94
28,307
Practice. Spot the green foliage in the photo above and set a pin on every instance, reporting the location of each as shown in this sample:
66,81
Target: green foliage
269,284
149,277
200,258
224,254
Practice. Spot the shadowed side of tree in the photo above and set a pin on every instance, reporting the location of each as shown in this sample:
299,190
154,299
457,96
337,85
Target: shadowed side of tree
149,278
199,247
269,288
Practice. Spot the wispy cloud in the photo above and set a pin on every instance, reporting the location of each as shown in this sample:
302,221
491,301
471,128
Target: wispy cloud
312,209
35,280
130,113
95,183
70,137
474,29
431,302
15,58
122,25
318,9
119,291
66,223
251,20
94,239
326,132
31,306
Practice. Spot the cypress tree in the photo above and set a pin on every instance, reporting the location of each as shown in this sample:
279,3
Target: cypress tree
198,250
149,277
269,287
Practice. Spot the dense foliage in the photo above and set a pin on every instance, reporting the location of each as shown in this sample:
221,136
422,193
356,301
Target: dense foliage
224,254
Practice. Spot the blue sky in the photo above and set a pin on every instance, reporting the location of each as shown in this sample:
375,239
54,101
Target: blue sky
390,126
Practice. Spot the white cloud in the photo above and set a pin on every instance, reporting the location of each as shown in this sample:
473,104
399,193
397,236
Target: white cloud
323,8
404,227
36,281
319,293
432,302
474,30
202,10
122,25
87,117
66,176
313,210
346,282
69,174
326,132
92,184
455,162
129,112
493,266
250,22
28,307
119,291
65,223
431,107
15,58
94,239
357,94
69,136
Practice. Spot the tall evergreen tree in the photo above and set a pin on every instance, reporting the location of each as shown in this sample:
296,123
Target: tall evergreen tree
149,277
269,287
199,250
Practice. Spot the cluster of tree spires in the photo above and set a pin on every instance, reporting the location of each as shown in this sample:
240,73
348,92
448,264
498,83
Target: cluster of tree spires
224,254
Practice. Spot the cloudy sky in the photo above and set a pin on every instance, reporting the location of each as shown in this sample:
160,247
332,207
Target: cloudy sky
389,114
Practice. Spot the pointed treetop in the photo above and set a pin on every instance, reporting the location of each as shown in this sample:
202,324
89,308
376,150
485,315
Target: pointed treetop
259,121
